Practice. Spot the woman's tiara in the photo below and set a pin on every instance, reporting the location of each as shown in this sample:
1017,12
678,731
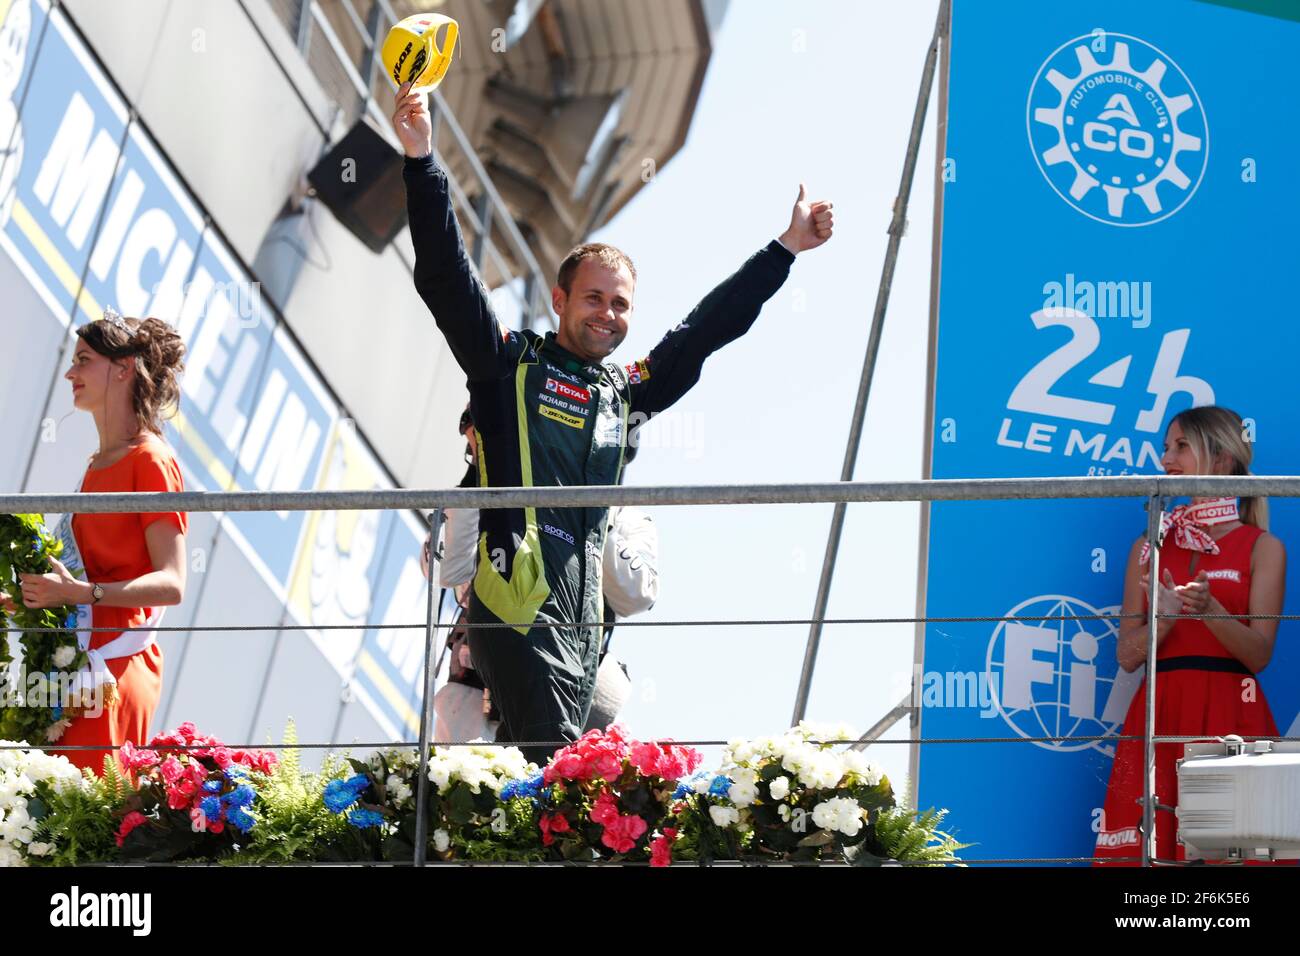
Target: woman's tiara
113,317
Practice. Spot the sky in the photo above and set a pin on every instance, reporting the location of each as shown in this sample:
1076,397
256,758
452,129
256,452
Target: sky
823,93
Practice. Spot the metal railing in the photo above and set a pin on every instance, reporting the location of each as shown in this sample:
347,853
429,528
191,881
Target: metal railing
1153,488
343,50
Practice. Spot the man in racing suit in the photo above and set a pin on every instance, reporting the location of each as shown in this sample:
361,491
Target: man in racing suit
548,412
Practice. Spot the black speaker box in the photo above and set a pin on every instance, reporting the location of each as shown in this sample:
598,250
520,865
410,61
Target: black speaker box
360,180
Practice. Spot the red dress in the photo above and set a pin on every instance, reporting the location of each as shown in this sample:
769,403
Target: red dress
113,548
1204,692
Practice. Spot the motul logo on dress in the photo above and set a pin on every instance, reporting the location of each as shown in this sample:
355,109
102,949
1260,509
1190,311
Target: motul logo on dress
1224,574
1112,838
568,391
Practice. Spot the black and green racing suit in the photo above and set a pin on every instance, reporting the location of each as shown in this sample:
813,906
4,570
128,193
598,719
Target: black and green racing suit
545,417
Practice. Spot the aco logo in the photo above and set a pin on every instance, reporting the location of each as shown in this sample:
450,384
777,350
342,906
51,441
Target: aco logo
1117,129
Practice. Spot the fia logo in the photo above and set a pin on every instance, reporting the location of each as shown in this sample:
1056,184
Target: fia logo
1058,677
1124,140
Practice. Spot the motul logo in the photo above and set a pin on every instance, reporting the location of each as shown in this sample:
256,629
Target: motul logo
1113,838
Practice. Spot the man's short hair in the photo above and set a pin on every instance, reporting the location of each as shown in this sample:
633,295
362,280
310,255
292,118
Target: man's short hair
608,256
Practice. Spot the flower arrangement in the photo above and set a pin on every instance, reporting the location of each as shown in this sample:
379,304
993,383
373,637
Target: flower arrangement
468,816
188,802
797,798
38,707
609,795
30,781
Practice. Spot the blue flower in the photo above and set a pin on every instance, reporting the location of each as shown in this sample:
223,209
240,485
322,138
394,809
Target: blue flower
211,786
71,622
721,784
341,794
239,819
58,713
211,807
362,818
532,788
241,796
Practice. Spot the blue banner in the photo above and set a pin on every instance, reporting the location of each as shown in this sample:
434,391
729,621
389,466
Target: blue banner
1117,214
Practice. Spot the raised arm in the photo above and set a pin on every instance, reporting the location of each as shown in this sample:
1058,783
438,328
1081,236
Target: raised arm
443,274
673,366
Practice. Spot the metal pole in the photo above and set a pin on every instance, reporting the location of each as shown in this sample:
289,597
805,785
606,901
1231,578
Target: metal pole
896,227
900,710
1148,733
426,705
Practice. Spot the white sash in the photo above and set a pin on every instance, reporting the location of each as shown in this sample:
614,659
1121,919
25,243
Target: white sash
95,673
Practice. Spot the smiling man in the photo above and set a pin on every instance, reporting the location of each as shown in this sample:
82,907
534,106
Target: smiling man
550,411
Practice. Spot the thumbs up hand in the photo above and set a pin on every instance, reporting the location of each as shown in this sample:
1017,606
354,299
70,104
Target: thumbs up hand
811,223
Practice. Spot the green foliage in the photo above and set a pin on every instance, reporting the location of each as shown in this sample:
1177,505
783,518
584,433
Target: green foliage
902,834
292,823
26,547
81,822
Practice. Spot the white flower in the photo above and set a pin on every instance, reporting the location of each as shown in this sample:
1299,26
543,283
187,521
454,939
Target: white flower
856,762
440,774
724,816
745,776
742,794
64,655
779,788
702,782
40,849
839,813
441,840
783,811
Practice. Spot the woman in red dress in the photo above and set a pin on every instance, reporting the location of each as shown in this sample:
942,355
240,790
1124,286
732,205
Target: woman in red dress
124,373
1215,558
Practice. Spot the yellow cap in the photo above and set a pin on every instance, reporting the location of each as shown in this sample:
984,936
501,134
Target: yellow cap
410,52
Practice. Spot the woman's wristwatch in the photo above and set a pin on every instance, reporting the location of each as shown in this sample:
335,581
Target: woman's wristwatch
97,593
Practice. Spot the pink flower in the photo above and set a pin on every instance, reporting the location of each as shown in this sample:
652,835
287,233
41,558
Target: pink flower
172,770
135,759
567,765
216,826
551,823
179,796
621,835
616,733
129,823
606,765
267,761
646,758
186,730
661,850
605,810
222,757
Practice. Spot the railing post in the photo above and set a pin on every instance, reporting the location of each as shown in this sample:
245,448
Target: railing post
370,61
303,33
426,704
1154,508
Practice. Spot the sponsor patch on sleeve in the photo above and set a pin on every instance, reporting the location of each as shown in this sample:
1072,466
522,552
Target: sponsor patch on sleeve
637,372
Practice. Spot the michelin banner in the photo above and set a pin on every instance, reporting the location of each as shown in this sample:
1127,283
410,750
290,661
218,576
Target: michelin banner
92,215
1118,207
